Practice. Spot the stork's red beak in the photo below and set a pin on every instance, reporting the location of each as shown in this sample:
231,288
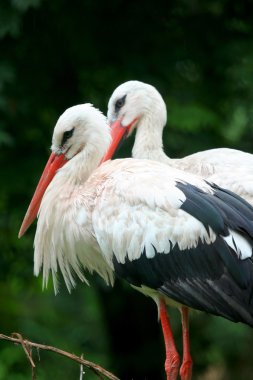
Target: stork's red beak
54,163
118,132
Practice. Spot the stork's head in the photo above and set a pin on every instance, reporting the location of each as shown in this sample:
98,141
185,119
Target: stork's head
81,129
130,105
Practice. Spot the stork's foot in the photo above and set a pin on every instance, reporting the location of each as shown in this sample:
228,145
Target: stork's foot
172,366
186,369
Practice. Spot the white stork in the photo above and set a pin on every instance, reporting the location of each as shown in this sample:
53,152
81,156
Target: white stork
135,104
170,234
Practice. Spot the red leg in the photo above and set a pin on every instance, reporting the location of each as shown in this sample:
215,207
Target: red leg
186,367
172,356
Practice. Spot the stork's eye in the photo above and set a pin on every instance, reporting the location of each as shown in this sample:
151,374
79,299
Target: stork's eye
119,103
66,136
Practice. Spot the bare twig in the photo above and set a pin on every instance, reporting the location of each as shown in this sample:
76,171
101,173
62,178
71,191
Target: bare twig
27,347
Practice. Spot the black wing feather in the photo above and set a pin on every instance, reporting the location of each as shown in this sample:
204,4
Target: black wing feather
209,277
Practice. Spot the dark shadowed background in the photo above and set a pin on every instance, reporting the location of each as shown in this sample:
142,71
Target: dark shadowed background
54,54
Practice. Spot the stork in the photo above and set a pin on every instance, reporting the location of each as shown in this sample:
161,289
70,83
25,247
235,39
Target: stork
137,105
170,234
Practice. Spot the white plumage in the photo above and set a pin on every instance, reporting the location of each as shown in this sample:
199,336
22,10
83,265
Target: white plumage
151,211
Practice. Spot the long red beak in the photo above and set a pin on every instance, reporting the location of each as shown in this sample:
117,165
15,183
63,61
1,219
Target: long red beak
54,163
118,132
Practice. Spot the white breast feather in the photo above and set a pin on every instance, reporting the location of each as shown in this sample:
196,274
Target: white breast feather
69,246
81,217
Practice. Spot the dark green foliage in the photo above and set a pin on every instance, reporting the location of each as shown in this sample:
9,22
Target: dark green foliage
55,54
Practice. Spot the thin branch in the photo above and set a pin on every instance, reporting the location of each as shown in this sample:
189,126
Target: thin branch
27,347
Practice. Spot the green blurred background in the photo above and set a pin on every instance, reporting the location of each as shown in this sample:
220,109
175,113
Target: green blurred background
54,54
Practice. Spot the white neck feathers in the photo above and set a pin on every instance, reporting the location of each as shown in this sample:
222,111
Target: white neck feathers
148,140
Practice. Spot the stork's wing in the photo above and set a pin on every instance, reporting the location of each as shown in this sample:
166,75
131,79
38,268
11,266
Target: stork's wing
189,240
229,168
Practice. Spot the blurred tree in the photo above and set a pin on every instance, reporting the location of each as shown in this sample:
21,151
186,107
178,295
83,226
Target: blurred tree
55,54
